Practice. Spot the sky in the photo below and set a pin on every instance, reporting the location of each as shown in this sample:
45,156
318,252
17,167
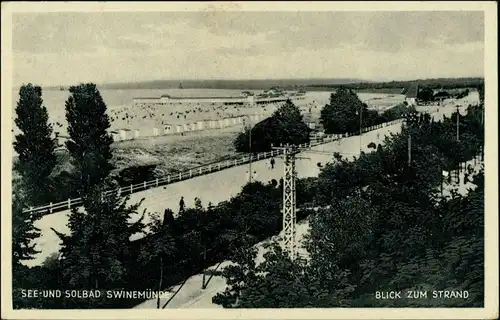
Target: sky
108,47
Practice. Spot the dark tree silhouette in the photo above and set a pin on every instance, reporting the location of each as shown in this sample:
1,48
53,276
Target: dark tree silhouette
94,254
286,125
34,146
89,143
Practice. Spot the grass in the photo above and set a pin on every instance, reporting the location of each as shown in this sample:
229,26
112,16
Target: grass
172,154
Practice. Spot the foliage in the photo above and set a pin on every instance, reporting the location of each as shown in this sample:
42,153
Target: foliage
480,90
277,282
161,246
291,126
93,255
240,274
425,94
384,215
285,126
135,174
438,83
34,145
462,94
161,242
342,114
383,226
197,203
441,95
89,143
23,232
44,277
396,112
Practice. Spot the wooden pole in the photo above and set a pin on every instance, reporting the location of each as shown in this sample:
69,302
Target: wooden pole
203,284
250,149
409,149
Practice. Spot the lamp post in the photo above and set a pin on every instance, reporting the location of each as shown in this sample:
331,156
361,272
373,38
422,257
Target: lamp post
411,120
249,148
360,112
458,116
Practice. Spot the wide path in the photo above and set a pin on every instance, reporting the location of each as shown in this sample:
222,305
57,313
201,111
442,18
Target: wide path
216,187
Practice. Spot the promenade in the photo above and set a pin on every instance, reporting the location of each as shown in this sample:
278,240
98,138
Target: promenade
217,186
213,187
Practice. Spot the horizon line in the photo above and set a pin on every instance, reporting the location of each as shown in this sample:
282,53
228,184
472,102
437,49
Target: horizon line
356,80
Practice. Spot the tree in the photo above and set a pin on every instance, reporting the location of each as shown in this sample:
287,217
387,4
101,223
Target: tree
160,246
291,127
35,146
256,209
342,113
295,284
241,273
286,125
480,90
89,143
262,137
338,241
277,282
95,253
425,94
23,233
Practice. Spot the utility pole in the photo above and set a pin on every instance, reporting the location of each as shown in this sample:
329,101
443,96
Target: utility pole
289,200
250,150
409,149
360,129
249,126
458,116
411,120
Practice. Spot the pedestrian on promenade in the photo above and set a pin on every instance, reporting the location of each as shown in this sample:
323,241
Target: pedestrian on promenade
181,205
272,163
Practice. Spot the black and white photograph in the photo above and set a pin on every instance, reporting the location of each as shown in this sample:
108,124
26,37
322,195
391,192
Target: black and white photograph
231,157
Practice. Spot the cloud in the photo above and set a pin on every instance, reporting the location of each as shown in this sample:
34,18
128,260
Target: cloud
67,47
382,31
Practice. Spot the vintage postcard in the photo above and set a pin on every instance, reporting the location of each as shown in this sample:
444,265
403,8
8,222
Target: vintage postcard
271,160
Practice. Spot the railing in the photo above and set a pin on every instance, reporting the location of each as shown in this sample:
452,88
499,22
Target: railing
196,172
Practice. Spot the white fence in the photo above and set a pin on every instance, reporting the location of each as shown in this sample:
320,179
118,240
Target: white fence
198,171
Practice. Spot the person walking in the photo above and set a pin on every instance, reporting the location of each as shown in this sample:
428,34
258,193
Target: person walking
181,205
272,163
